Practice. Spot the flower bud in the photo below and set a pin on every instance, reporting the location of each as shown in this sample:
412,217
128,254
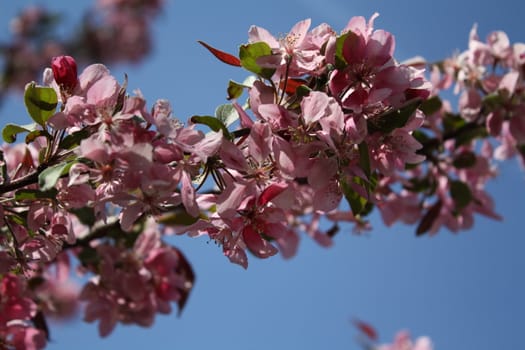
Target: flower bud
65,72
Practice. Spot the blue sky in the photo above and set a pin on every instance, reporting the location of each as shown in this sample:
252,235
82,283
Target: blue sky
465,291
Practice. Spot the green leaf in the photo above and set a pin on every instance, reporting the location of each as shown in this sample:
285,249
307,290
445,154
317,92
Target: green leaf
452,122
3,168
465,159
73,140
212,122
493,101
340,61
302,91
88,256
10,131
227,114
357,202
391,120
34,134
41,102
32,194
250,53
418,185
178,217
431,105
234,90
420,136
364,158
48,178
460,193
468,134
85,215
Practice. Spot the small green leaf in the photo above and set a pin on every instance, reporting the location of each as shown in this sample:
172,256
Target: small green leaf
32,194
177,217
465,159
10,131
73,140
302,91
364,158
340,61
234,90
417,185
36,133
468,134
420,136
227,114
212,122
41,102
3,169
493,101
48,178
250,53
391,120
431,105
357,202
85,215
452,122
460,193
88,256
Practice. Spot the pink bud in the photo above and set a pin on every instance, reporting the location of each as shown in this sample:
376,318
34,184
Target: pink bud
65,72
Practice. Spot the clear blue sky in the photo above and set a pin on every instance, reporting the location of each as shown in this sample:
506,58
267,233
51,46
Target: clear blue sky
465,291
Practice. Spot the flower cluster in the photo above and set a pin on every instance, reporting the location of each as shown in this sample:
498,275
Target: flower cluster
132,285
461,148
17,310
333,126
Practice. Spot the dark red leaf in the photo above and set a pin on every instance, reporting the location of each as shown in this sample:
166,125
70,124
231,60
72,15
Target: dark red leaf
221,55
428,219
366,329
291,85
184,268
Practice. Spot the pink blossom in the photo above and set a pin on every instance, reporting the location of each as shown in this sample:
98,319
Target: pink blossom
404,206
16,311
402,341
392,152
290,53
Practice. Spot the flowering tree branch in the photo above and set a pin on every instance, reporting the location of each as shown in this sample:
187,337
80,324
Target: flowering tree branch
333,127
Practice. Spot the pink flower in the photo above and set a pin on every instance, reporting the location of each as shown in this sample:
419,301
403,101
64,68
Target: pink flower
402,341
404,206
16,312
370,72
292,52
133,285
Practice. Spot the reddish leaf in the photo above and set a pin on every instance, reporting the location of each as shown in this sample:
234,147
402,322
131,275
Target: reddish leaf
184,268
366,329
428,219
221,55
291,85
